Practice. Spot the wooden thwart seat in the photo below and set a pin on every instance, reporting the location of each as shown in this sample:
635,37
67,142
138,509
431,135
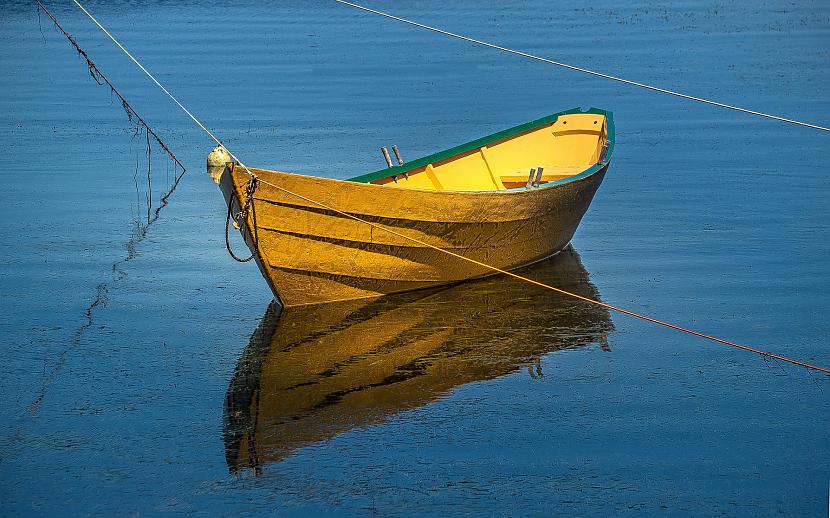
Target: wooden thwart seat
550,174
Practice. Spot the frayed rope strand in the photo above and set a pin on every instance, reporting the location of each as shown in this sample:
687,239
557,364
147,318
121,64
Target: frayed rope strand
101,79
139,233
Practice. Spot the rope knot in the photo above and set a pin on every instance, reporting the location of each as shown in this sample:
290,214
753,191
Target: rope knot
239,218
250,188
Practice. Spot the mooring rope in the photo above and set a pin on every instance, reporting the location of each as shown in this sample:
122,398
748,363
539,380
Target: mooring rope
549,287
163,89
240,217
448,252
139,232
101,79
580,69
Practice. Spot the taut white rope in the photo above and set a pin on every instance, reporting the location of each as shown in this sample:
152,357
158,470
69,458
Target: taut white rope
163,89
579,69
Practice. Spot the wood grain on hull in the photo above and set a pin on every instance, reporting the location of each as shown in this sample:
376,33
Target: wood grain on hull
312,255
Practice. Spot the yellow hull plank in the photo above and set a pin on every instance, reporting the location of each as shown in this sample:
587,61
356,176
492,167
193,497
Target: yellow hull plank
466,203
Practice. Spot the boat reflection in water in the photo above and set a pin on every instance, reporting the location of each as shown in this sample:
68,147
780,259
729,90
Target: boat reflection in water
310,373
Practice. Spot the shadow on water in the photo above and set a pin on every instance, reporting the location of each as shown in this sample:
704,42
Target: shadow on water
309,374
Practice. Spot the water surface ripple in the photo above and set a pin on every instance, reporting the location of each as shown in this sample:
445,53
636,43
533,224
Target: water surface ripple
485,399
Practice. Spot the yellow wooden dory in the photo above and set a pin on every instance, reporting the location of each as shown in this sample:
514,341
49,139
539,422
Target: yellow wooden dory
484,200
309,374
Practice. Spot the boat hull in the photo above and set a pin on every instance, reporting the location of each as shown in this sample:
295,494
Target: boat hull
310,254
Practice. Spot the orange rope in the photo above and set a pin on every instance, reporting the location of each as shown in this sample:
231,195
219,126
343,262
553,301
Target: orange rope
414,240
546,286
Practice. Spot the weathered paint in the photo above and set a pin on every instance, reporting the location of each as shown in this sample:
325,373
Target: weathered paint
311,255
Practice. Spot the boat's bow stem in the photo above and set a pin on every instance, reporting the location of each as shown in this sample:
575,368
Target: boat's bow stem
448,252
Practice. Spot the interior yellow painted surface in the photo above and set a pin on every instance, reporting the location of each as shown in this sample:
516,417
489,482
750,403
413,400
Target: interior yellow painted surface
564,148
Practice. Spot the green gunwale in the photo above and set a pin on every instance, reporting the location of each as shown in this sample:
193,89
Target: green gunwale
483,141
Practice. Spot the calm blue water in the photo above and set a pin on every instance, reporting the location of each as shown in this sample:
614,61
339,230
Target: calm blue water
707,218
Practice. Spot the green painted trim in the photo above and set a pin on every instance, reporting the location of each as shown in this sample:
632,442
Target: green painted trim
610,130
483,141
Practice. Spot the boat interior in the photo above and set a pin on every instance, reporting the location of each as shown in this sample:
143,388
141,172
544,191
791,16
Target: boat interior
513,159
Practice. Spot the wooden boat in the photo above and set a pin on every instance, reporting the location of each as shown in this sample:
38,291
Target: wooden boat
484,200
311,373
